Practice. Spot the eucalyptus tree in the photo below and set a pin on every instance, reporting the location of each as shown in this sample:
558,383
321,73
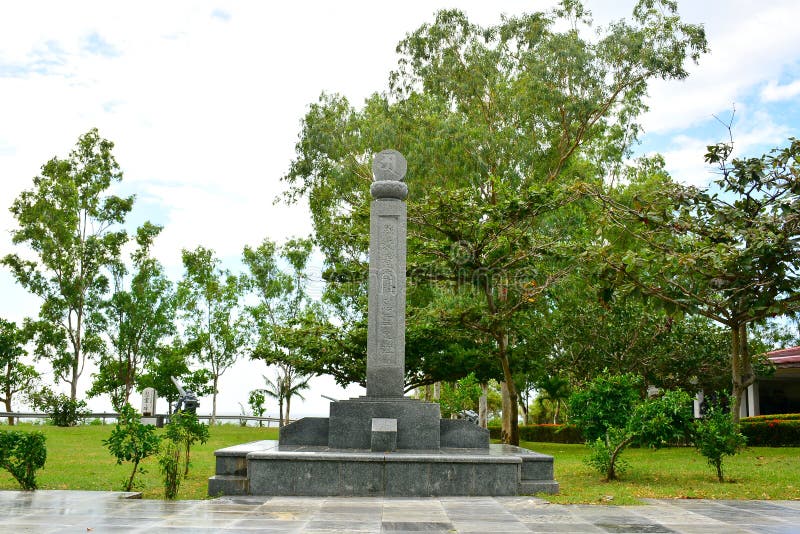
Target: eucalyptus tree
138,319
497,123
209,300
730,253
73,230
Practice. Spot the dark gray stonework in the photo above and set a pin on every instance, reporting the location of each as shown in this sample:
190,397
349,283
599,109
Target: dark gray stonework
319,471
351,422
460,433
306,431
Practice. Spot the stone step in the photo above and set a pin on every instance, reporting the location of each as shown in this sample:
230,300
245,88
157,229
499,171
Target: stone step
529,487
228,485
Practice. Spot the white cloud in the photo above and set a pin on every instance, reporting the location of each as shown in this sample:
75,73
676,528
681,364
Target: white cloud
750,43
775,92
753,134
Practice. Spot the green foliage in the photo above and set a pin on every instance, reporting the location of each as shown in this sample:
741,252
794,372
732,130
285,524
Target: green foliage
15,376
461,396
772,417
70,225
772,431
138,316
728,253
63,410
607,401
717,435
498,124
173,361
169,461
216,330
21,454
184,430
256,400
131,441
612,415
547,433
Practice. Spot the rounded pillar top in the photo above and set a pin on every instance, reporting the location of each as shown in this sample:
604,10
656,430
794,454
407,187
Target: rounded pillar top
389,168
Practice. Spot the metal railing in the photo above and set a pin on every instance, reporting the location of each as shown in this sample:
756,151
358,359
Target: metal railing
112,415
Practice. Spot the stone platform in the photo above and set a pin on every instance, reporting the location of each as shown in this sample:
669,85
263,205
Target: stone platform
268,468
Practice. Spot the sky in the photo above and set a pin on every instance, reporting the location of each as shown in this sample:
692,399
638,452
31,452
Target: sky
204,99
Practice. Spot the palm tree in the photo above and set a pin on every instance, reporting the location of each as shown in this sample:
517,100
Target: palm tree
286,385
554,389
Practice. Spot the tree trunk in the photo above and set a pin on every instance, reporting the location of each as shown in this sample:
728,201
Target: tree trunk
510,436
505,421
437,390
8,408
428,392
741,368
288,403
214,402
612,473
483,406
555,412
280,412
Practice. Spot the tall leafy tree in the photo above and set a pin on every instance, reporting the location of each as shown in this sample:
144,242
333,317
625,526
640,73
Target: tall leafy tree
497,123
72,228
15,376
215,329
729,253
138,320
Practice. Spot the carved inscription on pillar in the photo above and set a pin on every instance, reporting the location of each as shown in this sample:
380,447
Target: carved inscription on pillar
387,297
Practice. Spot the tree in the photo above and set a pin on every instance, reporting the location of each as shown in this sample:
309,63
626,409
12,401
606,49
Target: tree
554,389
215,328
15,376
131,441
715,436
256,399
287,384
172,362
138,319
497,123
69,225
729,253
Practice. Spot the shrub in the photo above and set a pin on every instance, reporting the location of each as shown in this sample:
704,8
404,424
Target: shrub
772,417
21,454
771,432
169,462
612,416
63,411
716,436
131,441
607,401
184,429
547,433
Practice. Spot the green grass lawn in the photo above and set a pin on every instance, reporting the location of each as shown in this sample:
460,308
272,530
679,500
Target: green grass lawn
77,459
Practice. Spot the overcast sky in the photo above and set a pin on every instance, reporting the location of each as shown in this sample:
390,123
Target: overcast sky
204,102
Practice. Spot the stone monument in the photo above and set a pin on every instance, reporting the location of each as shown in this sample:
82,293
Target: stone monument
383,443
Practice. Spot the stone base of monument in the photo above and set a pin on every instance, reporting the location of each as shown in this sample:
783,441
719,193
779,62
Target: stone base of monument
381,447
267,468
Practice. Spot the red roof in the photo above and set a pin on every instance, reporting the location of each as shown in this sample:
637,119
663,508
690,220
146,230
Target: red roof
790,355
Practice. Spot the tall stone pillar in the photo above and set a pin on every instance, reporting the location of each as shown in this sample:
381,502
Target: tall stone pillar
387,278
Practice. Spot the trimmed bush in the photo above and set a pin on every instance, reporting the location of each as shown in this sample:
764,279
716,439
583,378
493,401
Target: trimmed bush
781,416
544,433
21,454
771,432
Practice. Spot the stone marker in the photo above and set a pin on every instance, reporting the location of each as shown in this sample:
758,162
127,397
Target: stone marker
148,402
387,277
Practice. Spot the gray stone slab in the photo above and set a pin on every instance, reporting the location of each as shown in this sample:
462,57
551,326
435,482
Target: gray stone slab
305,431
460,433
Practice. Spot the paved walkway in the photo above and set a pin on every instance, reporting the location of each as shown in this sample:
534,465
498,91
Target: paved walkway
97,512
